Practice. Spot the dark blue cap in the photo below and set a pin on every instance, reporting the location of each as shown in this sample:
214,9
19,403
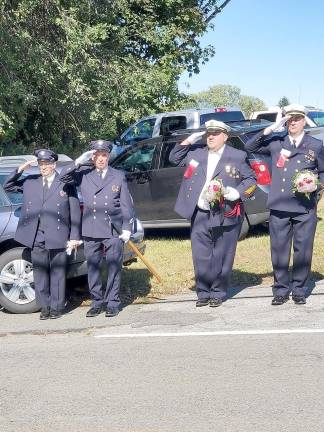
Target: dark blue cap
101,145
46,155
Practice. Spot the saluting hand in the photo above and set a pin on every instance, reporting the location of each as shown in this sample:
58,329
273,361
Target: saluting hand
84,157
276,127
125,236
25,165
193,138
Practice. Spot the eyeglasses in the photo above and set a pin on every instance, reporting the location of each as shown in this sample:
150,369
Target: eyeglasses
296,118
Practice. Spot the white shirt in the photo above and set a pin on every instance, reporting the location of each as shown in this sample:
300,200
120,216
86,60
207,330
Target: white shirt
212,162
104,172
49,180
297,139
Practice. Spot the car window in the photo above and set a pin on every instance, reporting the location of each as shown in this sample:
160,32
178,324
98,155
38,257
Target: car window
224,116
236,143
14,197
172,123
3,200
137,159
317,117
141,131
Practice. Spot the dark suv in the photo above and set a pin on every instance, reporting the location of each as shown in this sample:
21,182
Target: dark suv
154,182
17,292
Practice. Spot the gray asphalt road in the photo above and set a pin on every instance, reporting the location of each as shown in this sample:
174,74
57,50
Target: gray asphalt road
167,367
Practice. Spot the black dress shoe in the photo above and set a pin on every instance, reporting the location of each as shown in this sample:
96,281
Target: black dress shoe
54,314
202,302
112,311
279,300
45,313
299,299
92,312
215,302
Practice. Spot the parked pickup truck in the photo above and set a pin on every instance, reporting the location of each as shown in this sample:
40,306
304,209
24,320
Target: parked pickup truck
314,118
168,122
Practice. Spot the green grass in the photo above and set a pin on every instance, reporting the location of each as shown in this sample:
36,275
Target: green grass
172,259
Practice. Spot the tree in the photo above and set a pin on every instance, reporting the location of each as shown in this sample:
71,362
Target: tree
284,101
78,68
225,95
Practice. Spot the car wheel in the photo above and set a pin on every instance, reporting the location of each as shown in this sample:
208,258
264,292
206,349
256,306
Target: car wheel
244,229
17,292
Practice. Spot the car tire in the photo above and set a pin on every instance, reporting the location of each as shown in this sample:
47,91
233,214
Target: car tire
17,293
244,229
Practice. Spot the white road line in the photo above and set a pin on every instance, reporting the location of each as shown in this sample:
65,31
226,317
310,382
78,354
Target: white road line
210,333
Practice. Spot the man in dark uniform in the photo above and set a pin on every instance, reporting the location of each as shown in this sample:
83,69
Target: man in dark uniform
107,212
214,231
50,217
292,214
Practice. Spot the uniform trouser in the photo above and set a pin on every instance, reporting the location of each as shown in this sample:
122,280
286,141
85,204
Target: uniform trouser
213,252
49,270
111,249
287,228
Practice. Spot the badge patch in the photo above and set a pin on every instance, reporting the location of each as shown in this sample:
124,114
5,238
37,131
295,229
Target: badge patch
228,168
310,156
115,188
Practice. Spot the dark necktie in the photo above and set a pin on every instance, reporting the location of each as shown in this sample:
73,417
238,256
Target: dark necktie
294,143
100,173
46,187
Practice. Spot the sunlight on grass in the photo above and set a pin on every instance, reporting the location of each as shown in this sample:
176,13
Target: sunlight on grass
172,259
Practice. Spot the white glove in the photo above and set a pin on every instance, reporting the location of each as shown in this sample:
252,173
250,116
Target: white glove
193,138
125,236
276,127
84,157
231,194
72,245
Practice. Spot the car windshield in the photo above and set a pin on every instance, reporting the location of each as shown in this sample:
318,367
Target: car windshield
14,197
224,116
317,117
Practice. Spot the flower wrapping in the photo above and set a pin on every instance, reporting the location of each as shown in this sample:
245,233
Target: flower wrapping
214,193
305,182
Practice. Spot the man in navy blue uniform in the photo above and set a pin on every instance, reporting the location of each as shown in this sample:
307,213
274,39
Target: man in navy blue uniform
107,220
50,217
214,231
292,214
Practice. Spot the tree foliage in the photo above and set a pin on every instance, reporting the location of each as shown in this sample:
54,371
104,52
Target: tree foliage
71,69
284,101
225,95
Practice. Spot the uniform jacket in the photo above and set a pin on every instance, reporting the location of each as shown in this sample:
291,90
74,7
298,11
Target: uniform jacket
105,201
233,169
308,155
60,210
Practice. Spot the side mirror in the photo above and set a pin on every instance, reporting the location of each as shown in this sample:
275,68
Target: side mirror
117,141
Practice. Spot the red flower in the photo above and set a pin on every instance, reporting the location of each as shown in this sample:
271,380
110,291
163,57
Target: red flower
215,188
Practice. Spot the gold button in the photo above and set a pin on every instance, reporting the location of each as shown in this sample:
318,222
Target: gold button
283,179
188,196
94,202
296,170
106,204
282,190
94,196
190,188
285,169
106,211
298,161
94,210
94,217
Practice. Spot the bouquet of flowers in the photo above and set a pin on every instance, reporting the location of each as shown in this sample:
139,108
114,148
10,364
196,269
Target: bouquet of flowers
305,182
214,193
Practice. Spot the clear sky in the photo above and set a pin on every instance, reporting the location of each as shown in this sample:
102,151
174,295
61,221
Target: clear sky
269,49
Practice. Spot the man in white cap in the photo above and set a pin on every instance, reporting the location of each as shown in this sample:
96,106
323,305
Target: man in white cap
215,228
292,214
